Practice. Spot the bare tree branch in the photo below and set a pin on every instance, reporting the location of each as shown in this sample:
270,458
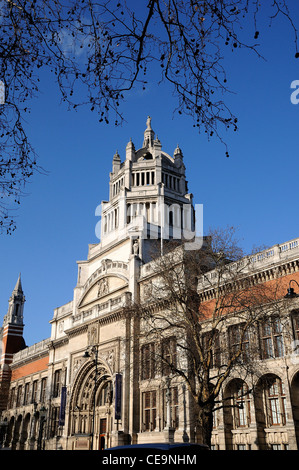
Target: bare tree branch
99,50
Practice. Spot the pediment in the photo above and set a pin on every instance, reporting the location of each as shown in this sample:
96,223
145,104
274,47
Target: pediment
101,289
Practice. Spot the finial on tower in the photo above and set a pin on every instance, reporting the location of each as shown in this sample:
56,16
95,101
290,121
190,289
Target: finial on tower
149,134
148,123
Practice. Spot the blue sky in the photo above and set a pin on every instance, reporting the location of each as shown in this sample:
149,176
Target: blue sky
256,189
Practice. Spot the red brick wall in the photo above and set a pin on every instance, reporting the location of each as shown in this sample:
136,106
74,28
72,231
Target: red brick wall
28,369
278,286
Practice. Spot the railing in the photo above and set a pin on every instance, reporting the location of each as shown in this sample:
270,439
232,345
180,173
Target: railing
105,307
271,255
32,350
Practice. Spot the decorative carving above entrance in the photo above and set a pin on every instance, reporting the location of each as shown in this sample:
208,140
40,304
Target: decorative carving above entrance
93,334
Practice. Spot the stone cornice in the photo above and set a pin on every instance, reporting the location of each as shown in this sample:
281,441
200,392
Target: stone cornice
269,273
105,320
31,354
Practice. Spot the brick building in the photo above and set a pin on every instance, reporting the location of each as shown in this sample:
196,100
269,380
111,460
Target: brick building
86,386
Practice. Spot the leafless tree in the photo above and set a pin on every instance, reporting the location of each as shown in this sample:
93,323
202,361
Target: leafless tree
99,50
212,303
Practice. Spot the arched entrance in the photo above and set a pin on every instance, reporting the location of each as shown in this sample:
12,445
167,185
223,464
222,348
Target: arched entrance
91,406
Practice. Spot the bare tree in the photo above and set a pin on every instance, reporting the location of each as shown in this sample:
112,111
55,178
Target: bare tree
99,50
212,303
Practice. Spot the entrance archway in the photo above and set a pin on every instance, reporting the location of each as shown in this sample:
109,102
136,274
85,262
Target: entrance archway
91,404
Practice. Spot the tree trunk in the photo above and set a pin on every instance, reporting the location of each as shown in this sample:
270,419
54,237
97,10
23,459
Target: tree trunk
205,424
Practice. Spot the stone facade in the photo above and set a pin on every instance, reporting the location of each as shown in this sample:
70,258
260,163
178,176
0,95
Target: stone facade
85,387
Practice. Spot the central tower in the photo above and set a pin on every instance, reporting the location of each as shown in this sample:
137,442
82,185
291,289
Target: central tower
148,196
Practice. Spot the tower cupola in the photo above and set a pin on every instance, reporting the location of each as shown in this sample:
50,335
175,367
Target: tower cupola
148,195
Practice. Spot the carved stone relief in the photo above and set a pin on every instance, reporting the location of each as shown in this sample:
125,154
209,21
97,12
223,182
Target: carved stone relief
109,357
93,334
77,363
103,287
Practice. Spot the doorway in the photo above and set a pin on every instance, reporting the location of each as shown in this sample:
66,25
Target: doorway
103,427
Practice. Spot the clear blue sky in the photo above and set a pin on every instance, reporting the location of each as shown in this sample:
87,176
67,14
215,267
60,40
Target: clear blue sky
256,189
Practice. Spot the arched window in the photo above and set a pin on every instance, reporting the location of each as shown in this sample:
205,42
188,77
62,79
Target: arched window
275,402
241,401
105,394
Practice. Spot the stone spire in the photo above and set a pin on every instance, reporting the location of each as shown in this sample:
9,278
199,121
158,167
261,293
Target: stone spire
18,286
11,337
15,305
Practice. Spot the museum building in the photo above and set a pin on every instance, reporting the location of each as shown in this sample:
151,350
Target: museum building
86,386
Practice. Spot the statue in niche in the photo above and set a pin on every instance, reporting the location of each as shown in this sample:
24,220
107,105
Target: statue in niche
136,247
110,359
92,335
103,287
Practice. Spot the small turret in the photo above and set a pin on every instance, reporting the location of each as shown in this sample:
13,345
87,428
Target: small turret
116,163
130,151
178,157
157,147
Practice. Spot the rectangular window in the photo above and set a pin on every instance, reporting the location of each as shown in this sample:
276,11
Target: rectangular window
19,395
168,355
148,361
34,392
239,342
242,406
12,398
57,383
277,337
43,390
26,394
211,345
276,403
149,410
54,421
271,338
